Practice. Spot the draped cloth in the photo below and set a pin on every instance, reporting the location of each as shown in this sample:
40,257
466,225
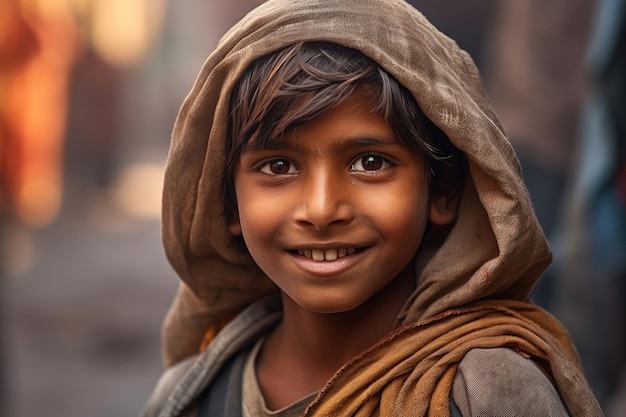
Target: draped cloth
410,372
496,249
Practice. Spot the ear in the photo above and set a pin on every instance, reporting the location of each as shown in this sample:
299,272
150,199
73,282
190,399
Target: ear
445,196
443,208
234,225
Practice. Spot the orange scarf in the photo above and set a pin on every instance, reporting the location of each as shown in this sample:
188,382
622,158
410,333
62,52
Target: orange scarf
410,372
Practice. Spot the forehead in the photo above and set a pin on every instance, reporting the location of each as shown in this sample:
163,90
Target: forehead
354,118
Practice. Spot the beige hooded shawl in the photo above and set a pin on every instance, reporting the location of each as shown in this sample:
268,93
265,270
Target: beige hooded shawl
496,249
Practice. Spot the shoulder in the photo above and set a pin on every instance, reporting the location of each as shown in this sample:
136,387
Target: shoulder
180,385
212,400
501,382
166,385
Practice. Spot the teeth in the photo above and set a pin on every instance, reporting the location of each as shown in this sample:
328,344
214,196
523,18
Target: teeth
318,255
326,255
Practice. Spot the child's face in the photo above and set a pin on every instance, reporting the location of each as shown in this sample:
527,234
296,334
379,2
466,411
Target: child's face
335,210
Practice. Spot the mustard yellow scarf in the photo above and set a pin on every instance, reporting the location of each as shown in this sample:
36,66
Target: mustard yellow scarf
410,372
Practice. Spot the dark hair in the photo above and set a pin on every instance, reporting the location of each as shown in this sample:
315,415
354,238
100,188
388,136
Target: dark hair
287,88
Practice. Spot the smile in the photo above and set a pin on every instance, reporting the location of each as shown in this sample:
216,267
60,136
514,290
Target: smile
326,255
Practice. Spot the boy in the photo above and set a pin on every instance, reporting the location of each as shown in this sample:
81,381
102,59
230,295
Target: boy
352,231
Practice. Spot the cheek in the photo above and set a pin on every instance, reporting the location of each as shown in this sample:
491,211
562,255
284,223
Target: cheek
260,218
255,216
402,222
402,210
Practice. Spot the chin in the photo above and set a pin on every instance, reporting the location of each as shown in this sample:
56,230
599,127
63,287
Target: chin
328,306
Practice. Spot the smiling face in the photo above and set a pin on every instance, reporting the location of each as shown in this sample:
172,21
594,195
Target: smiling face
335,210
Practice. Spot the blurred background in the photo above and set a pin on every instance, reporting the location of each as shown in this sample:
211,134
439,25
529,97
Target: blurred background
89,90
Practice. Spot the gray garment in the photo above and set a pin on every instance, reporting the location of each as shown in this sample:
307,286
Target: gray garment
181,384
489,382
501,382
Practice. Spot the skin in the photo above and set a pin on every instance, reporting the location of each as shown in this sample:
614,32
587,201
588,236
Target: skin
338,183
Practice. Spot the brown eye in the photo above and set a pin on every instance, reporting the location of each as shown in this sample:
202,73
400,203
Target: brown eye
369,163
279,167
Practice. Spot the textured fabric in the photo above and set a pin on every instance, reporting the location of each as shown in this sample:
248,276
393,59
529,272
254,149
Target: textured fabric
177,391
167,383
436,345
222,400
496,250
411,372
497,246
503,380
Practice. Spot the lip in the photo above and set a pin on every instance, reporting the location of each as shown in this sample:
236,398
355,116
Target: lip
327,268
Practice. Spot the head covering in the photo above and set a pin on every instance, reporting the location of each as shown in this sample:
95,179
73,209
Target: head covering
496,248
494,251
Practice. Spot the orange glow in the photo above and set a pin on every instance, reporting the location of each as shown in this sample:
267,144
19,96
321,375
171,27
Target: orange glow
122,30
34,111
40,41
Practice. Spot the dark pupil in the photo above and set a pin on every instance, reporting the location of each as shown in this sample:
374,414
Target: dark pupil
372,163
279,167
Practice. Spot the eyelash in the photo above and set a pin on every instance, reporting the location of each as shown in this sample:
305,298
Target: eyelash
265,167
384,162
267,164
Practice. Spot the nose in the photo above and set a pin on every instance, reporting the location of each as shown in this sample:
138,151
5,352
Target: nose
325,200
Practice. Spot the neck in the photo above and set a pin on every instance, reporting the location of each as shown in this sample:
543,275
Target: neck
308,348
330,340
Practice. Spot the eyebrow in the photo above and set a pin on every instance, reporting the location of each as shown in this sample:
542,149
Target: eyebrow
352,142
377,141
